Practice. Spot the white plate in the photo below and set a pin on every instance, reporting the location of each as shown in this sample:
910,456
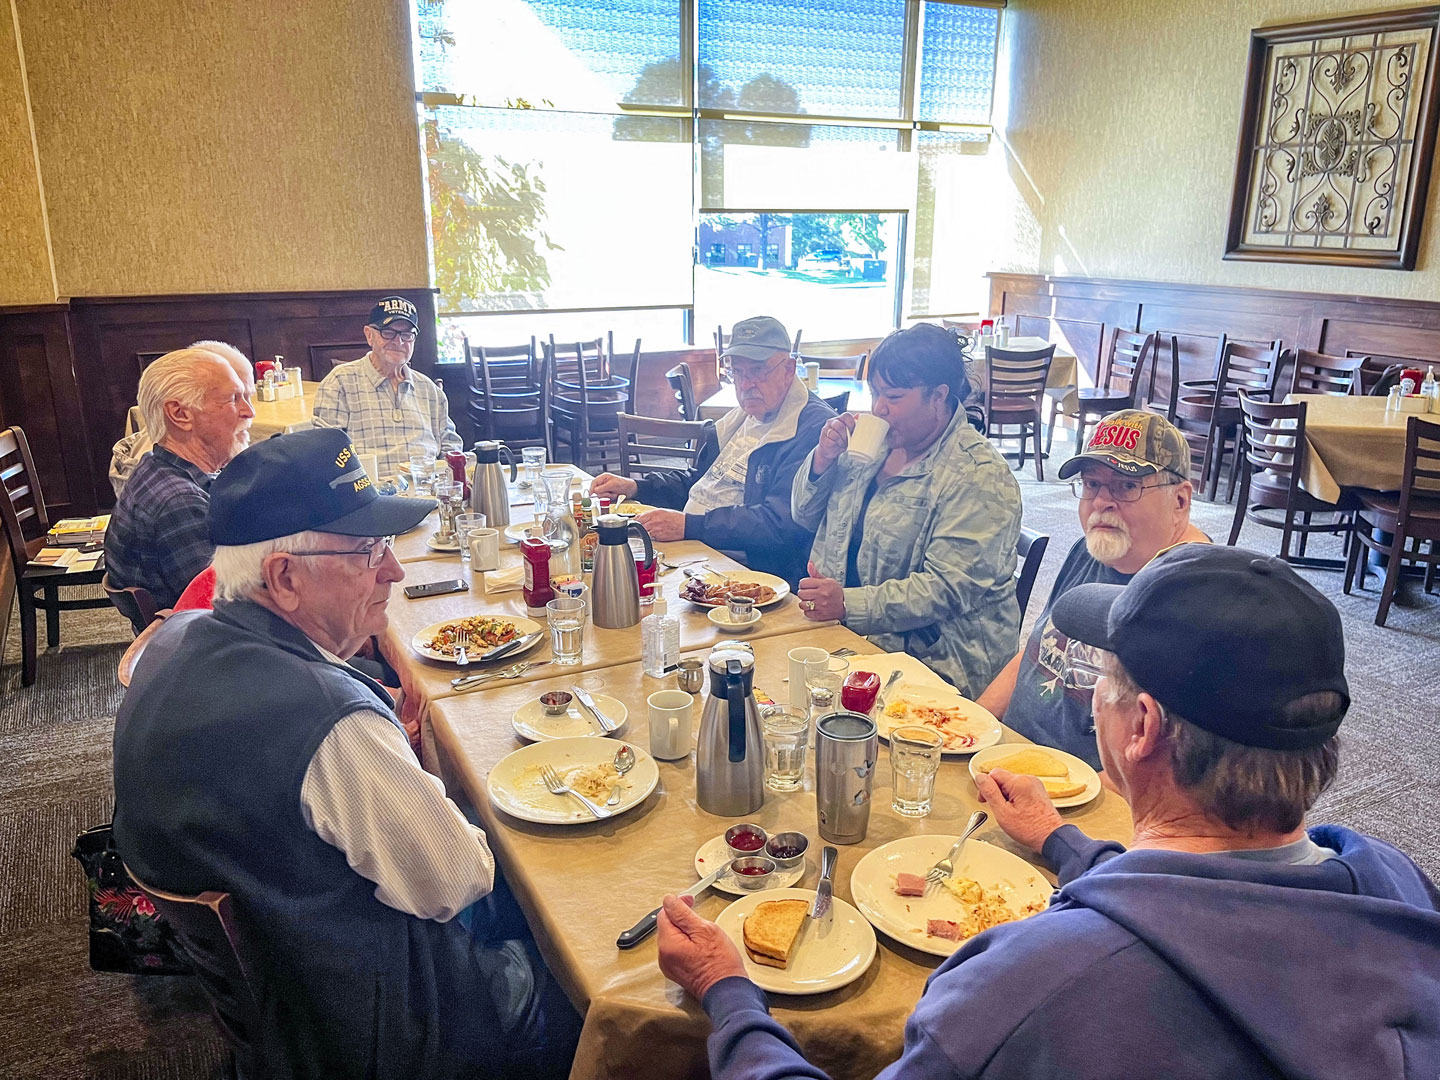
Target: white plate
715,851
515,532
523,626
514,784
872,884
434,545
915,673
531,721
981,723
828,955
748,577
720,616
1078,770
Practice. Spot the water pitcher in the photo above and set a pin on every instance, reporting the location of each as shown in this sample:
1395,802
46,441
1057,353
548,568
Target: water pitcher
488,495
730,758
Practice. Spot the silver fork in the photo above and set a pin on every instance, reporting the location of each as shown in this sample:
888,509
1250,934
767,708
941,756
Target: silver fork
946,867
559,787
470,682
843,652
462,642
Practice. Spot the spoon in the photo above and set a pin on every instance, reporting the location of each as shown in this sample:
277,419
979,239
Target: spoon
624,762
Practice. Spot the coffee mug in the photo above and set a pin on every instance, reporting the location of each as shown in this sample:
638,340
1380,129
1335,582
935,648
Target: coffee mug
867,441
484,549
799,694
670,724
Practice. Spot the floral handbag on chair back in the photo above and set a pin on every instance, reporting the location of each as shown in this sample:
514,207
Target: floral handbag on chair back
127,934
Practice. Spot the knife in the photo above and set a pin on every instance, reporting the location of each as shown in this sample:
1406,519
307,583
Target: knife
606,724
466,682
511,646
820,907
642,929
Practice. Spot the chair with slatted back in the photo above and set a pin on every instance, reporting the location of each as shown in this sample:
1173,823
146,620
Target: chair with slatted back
134,602
207,927
505,394
795,345
839,402
586,400
1031,550
1120,383
838,367
1273,441
683,384
1015,396
1376,368
1211,418
1316,373
126,668
1411,516
26,522
722,340
649,446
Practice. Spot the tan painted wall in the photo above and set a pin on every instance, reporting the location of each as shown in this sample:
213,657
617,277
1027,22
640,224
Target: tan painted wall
24,261
1122,123
213,146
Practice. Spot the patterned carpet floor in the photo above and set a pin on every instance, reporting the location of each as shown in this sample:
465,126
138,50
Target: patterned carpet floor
59,1019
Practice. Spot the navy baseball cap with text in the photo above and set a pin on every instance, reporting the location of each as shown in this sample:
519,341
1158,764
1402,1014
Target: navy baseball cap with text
392,308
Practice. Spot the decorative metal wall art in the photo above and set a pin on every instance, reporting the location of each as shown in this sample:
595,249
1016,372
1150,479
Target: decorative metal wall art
1336,141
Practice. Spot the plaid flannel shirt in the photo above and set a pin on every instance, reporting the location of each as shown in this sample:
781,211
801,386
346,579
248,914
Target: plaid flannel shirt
158,538
380,420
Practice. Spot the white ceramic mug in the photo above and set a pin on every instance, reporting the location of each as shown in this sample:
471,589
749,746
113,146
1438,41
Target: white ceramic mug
867,441
484,550
671,713
799,695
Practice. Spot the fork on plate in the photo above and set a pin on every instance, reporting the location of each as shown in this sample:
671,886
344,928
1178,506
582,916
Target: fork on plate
462,642
946,867
559,787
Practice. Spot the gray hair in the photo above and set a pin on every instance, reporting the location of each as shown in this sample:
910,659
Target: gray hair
1249,788
239,567
231,355
172,378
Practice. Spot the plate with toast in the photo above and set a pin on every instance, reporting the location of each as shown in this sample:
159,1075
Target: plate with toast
1068,780
787,952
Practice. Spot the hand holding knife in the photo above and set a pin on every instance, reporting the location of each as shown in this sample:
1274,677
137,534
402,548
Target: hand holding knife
642,929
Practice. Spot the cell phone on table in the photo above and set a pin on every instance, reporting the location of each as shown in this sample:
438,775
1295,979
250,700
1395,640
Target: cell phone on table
435,588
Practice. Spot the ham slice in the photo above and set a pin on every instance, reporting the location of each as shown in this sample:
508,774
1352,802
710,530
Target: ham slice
943,928
909,885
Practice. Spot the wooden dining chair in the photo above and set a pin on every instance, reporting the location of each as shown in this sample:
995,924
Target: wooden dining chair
1316,373
1211,418
1015,396
838,367
1120,382
26,523
134,602
683,384
586,400
505,394
1031,551
1411,516
649,445
1374,370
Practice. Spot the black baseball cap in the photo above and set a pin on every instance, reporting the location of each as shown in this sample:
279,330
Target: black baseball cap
1223,636
391,308
305,480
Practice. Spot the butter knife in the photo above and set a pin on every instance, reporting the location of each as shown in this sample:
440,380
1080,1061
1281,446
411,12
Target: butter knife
642,929
820,907
512,646
606,724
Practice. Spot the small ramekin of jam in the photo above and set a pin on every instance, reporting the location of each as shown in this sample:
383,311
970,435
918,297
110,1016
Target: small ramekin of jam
745,840
752,872
787,849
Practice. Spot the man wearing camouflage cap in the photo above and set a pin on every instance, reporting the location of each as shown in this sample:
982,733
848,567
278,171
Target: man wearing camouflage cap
1133,484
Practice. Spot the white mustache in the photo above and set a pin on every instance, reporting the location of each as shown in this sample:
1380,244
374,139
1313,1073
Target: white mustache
1111,518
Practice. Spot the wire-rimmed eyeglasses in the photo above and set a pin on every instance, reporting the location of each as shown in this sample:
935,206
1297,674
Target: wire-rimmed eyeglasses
1120,489
374,551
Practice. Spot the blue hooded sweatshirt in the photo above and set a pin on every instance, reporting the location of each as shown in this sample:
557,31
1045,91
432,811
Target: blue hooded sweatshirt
1168,964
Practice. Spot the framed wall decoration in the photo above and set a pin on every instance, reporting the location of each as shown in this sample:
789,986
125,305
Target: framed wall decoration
1337,136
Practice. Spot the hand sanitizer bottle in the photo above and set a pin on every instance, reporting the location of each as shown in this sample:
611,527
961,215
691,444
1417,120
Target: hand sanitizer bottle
659,640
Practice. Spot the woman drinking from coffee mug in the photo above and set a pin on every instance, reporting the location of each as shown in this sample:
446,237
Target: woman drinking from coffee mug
916,526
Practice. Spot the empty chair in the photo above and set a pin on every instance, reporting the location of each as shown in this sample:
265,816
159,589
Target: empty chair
1374,370
1411,516
1031,550
657,447
507,397
837,367
1211,418
1119,383
1191,386
586,400
683,384
1015,396
1316,373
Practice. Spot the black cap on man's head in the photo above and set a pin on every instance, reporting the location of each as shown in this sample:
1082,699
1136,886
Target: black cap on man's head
392,308
1224,637
305,480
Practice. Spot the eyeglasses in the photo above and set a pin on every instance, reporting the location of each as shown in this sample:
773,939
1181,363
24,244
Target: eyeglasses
1083,665
1125,491
407,336
374,552
750,372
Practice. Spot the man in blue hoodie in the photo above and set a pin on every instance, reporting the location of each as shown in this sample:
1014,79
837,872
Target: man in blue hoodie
1229,941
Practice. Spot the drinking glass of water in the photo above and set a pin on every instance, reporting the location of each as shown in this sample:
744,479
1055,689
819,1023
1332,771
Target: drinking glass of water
784,728
915,758
567,629
532,459
420,471
464,525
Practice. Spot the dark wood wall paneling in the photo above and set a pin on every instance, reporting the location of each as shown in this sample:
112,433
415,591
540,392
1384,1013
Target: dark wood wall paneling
1083,310
68,373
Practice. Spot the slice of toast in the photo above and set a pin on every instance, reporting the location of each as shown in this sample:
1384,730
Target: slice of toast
1031,762
771,930
1062,789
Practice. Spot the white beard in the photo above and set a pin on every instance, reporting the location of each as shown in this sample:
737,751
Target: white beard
1107,545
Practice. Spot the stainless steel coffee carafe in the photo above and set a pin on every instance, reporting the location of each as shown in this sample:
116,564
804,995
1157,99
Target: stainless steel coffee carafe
488,494
615,587
730,759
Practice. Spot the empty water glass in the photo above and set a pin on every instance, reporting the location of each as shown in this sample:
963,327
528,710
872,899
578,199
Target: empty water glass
915,753
566,616
532,459
827,675
785,729
464,525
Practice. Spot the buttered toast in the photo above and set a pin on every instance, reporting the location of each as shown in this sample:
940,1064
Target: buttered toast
1030,762
771,930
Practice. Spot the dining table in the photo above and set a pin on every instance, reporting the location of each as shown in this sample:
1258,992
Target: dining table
1351,442
580,885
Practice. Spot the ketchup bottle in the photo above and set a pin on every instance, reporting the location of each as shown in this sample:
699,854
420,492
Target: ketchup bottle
537,588
456,460
859,691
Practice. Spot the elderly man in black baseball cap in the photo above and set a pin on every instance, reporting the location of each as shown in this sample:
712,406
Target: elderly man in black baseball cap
1229,940
251,758
388,408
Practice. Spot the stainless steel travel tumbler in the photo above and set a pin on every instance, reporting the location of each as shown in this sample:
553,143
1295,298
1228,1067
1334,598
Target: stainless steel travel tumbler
846,748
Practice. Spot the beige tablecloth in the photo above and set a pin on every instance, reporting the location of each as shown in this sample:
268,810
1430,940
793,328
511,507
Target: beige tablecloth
581,886
1351,442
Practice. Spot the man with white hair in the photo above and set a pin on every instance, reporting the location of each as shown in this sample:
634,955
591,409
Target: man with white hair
126,453
198,408
251,758
1135,493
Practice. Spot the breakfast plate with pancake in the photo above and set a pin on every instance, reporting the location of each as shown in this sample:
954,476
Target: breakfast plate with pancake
710,590
1068,780
965,725
990,886
437,641
787,952
516,786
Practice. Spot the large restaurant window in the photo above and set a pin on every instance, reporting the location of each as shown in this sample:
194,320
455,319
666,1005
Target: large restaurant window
605,156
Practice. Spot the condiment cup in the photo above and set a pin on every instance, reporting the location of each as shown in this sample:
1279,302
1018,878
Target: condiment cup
786,840
690,675
556,702
735,831
743,871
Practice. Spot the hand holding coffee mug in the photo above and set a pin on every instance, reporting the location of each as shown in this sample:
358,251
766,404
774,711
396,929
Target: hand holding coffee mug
867,439
834,438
